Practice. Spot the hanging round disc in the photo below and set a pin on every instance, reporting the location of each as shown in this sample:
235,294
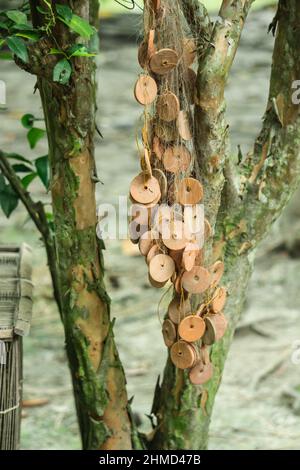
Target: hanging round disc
210,333
162,180
199,258
189,51
197,280
215,328
183,355
163,61
145,90
217,271
220,323
144,189
204,354
190,191
157,285
219,300
161,268
143,54
157,148
178,284
191,328
174,238
152,204
169,333
177,159
167,106
189,256
201,373
178,308
147,240
184,126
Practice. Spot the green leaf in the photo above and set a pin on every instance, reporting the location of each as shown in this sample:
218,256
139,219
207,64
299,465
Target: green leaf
18,47
81,27
79,50
34,135
62,72
28,179
65,12
21,168
2,182
55,51
5,56
29,35
18,157
27,121
16,16
3,25
42,168
8,199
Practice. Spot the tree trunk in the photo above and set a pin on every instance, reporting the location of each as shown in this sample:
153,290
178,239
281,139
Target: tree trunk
97,374
243,209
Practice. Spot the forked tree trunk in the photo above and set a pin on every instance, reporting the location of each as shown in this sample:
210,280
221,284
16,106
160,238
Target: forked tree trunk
241,202
97,374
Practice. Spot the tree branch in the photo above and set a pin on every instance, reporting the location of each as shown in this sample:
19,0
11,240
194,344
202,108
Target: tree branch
38,216
197,18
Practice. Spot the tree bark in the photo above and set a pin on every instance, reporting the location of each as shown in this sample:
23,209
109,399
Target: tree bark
241,203
97,374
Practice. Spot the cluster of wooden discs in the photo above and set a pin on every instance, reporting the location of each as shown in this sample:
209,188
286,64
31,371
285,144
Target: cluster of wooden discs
167,220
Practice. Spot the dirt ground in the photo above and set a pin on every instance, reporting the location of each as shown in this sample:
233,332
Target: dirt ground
258,405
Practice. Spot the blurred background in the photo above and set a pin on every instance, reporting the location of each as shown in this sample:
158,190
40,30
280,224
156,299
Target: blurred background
258,405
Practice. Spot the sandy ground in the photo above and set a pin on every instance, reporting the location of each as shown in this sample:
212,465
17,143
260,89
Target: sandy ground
258,403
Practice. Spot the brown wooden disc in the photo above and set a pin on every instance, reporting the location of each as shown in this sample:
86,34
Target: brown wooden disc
201,373
204,354
189,255
190,82
169,333
194,221
154,250
153,204
220,323
163,61
161,268
219,300
217,271
174,238
167,106
157,148
178,309
199,258
183,355
191,328
184,126
157,285
190,191
162,180
197,280
178,284
209,336
162,218
151,45
177,159
147,240
166,131
144,189
189,51
145,90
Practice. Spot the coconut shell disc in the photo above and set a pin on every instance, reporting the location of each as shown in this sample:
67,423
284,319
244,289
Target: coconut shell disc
177,309
183,355
204,354
190,191
191,328
197,280
143,54
189,256
154,250
174,238
217,271
189,51
144,189
177,159
163,61
157,148
169,333
161,268
209,337
147,240
201,373
219,300
184,126
145,90
167,106
215,328
157,285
